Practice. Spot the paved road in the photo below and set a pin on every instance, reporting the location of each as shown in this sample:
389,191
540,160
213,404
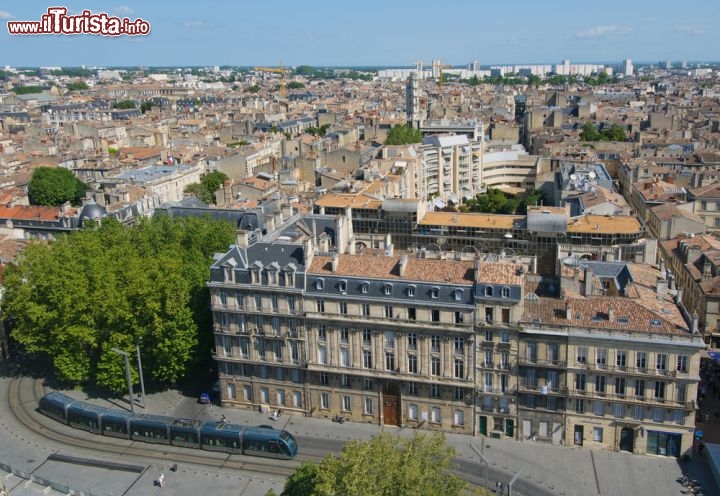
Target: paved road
552,470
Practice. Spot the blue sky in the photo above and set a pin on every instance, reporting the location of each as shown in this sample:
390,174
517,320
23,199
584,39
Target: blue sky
373,32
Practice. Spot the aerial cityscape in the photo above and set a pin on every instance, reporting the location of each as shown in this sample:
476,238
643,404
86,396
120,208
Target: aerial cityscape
253,251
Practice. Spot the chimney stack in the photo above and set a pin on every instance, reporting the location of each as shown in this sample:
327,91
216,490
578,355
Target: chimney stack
335,261
661,287
678,298
402,265
242,238
611,313
287,211
695,321
588,281
568,311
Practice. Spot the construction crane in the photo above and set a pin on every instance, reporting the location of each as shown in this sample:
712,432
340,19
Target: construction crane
276,70
440,79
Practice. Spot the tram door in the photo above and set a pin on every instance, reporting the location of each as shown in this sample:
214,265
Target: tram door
391,404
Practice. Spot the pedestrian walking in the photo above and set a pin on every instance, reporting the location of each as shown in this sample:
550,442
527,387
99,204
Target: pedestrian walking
161,480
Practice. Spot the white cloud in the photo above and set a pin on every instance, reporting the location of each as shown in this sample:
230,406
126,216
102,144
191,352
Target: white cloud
599,31
688,30
124,10
4,14
196,24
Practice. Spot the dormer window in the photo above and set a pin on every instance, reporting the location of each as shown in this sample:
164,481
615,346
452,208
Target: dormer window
458,294
505,293
434,293
365,288
319,284
387,289
342,286
411,291
488,291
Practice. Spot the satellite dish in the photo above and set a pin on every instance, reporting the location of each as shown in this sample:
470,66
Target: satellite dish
573,177
592,175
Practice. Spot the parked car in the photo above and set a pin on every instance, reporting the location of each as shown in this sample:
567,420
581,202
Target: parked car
204,399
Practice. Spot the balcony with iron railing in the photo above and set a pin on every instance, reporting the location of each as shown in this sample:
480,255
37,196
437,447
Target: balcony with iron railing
396,322
525,387
621,369
536,362
629,398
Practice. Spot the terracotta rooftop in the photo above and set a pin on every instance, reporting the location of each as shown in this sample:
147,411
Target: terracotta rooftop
470,220
671,211
29,212
345,200
375,265
618,224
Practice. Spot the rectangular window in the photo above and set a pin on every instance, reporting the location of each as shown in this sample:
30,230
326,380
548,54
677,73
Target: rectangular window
412,341
365,307
322,355
295,351
389,339
367,384
412,313
579,406
258,301
581,354
598,408
661,361
278,347
459,369
292,327
247,393
459,394
346,403
658,414
390,361
640,388
275,323
459,318
459,417
597,434
677,416
274,302
621,358
682,363
325,400
320,306
620,386
601,357
459,345
344,335
552,403
531,352
366,337
600,384
297,398
504,381
553,353
580,382
344,357
681,392
435,415
435,366
388,311
322,333
488,335
291,301
412,364
240,300
344,380
659,389
412,388
435,343
435,315
489,377
412,412
434,390
367,359
368,406
324,379
264,395
342,308
281,397
641,360
489,359
618,410
638,412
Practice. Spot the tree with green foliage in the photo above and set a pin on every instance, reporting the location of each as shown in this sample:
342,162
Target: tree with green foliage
124,104
403,135
206,188
318,131
76,298
78,86
53,186
252,89
613,133
295,85
494,201
146,106
384,466
27,90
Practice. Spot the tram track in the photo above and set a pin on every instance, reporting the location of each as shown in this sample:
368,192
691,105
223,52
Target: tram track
20,408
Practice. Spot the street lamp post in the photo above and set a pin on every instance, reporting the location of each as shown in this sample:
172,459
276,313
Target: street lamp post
142,382
127,376
486,462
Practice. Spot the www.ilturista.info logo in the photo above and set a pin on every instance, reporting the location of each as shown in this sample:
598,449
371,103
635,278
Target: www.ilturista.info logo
56,21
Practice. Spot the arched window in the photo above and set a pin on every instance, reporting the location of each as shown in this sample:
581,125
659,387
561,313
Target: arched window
488,290
505,292
319,284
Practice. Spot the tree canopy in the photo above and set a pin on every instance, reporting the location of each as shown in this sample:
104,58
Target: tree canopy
53,186
208,185
78,297
495,201
614,132
124,104
77,86
27,90
403,135
384,466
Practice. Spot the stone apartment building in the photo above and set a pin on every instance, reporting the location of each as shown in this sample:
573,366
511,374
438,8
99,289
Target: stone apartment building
307,322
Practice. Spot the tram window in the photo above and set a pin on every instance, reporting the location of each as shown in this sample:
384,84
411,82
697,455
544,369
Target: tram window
273,446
